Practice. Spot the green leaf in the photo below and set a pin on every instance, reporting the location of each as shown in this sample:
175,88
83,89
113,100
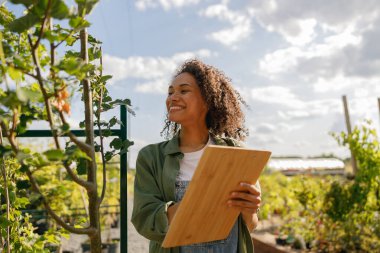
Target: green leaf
73,152
106,107
15,74
54,154
21,202
70,64
97,148
24,23
65,128
86,6
126,145
59,10
71,40
116,143
26,3
108,155
24,120
24,94
5,16
92,40
23,184
114,121
78,23
21,62
4,222
106,133
82,166
5,149
23,168
94,53
105,78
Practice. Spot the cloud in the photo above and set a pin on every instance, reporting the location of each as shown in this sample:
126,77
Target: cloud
323,59
265,140
240,22
290,106
342,54
277,95
153,73
278,127
298,21
265,128
165,4
312,109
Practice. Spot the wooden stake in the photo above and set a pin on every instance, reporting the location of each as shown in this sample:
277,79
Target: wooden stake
348,124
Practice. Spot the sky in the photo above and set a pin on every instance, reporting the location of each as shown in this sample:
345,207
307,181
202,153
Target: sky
292,60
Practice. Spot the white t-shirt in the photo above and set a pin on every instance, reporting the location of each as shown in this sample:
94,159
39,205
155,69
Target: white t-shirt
189,163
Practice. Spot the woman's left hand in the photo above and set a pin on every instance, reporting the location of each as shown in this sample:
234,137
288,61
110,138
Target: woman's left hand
247,198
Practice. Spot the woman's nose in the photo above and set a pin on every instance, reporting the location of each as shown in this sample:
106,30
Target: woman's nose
174,96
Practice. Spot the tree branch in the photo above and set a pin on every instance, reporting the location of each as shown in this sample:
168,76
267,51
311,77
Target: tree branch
44,93
88,109
52,53
35,186
101,136
78,180
11,139
102,149
25,72
68,35
82,145
46,18
4,174
89,230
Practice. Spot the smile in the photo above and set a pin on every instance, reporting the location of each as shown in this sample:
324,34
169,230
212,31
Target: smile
175,108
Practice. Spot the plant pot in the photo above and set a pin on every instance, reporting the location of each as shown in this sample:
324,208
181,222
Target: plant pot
109,247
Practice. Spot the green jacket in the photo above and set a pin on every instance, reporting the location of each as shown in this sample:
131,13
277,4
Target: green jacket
157,167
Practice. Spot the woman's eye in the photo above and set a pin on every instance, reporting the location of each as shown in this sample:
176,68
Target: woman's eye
184,91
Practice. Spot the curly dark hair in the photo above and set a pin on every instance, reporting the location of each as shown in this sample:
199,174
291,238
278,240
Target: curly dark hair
225,117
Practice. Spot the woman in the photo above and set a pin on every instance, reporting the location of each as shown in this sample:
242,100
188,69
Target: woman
202,109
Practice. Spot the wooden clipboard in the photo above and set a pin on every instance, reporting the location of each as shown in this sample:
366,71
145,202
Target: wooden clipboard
203,214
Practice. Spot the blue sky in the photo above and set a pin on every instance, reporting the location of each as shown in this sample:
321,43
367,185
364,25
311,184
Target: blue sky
292,60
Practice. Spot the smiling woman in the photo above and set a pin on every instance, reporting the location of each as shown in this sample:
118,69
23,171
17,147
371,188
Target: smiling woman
202,109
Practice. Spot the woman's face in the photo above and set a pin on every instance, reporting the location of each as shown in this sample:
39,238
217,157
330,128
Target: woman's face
185,104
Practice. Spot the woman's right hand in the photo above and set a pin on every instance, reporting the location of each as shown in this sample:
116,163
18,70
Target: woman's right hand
171,212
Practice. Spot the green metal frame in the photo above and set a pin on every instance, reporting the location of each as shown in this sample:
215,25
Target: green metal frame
122,134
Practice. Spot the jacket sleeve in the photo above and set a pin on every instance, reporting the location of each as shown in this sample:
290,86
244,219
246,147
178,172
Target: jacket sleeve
149,208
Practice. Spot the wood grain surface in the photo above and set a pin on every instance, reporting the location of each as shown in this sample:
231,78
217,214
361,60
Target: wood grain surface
203,214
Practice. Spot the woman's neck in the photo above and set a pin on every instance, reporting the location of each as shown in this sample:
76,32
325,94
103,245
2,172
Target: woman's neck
192,139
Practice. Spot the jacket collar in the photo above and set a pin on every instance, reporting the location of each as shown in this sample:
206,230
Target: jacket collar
172,146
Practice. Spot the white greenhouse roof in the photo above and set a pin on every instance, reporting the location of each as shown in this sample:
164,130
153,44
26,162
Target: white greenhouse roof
306,165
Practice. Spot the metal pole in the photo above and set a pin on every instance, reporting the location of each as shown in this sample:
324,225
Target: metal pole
129,137
123,185
378,104
348,124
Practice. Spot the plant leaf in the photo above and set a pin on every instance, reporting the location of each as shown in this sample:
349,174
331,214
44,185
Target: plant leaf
24,23
59,10
54,154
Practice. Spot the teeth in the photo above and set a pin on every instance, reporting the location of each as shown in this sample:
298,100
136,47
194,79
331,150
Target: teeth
175,108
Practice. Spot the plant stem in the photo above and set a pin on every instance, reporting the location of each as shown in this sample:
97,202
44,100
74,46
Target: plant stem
4,174
93,198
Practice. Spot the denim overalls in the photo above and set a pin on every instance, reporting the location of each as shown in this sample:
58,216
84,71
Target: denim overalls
228,245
